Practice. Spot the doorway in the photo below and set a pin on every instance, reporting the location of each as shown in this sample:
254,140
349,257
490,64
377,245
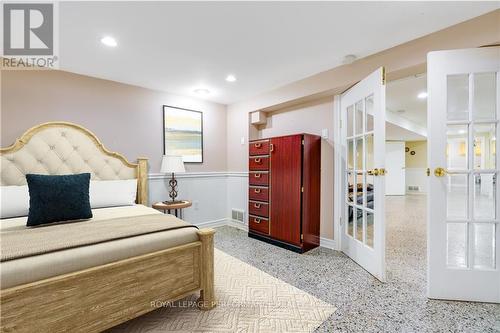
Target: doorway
462,220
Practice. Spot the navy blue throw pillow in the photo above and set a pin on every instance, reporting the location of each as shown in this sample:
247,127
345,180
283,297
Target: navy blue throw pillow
58,198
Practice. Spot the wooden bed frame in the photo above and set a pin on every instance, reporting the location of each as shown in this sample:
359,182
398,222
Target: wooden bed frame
97,298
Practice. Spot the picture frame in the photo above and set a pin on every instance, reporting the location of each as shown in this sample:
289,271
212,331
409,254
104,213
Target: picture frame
183,133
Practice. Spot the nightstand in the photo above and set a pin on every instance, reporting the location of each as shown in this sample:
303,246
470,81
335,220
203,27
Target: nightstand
176,207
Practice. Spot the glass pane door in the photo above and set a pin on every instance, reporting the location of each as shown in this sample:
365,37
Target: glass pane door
471,134
359,171
463,205
363,233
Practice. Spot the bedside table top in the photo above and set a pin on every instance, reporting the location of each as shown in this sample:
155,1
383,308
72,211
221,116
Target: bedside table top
172,205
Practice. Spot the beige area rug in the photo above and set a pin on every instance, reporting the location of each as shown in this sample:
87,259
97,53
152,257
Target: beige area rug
249,300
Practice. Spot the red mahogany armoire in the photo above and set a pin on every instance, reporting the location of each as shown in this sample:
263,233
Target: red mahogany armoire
284,191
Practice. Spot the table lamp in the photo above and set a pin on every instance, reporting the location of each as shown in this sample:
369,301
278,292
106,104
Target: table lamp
172,164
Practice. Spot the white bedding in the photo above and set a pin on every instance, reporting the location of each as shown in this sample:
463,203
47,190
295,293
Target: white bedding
25,270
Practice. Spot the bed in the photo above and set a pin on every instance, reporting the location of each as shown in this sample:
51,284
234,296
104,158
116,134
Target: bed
93,286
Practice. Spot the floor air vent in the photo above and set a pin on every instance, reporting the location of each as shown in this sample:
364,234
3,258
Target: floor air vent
238,215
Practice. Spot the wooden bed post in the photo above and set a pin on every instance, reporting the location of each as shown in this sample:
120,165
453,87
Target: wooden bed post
207,293
142,181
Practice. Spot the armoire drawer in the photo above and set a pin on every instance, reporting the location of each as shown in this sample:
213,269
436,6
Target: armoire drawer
259,224
258,193
259,163
258,208
258,178
259,148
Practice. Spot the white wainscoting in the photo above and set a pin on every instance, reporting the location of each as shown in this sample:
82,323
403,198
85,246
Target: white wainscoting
416,177
214,195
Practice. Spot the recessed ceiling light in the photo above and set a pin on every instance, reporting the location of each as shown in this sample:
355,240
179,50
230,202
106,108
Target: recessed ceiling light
422,95
202,91
109,41
230,78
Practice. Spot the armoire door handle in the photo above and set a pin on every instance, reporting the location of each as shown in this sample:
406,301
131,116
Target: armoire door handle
257,160
256,205
272,147
257,175
258,145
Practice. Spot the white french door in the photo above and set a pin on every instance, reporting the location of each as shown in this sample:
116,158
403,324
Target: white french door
463,206
363,138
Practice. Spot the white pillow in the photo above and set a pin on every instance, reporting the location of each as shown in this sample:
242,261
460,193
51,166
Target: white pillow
14,201
110,193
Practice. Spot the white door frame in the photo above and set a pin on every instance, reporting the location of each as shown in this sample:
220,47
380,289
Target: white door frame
338,165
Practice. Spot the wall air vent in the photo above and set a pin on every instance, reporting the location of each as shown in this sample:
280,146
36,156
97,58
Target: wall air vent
238,215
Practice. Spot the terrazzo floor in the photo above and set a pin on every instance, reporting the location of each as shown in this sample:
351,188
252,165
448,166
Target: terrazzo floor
363,303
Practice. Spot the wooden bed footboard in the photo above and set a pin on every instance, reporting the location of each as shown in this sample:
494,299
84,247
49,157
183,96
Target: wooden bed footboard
101,297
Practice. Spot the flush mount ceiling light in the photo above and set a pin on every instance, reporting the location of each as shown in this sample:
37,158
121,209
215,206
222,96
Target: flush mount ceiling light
202,91
230,78
109,41
422,95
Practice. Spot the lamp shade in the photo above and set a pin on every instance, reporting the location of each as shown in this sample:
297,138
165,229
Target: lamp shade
170,163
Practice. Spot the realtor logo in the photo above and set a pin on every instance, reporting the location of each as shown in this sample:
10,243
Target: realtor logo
28,29
30,35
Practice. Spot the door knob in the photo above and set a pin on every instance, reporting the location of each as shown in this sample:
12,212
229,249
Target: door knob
374,172
382,171
440,172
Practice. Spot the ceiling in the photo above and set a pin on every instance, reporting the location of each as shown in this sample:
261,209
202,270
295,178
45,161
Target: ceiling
178,47
401,98
402,101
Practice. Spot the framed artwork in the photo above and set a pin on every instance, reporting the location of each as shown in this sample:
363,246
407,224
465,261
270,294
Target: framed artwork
183,133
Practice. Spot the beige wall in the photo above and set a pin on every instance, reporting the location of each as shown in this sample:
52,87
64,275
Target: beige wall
400,61
310,118
419,160
127,119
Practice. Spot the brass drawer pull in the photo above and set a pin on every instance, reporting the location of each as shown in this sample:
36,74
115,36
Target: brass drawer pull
256,205
258,145
258,160
257,190
256,220
257,175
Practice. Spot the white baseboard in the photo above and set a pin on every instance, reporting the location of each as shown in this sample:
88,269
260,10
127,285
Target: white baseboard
212,224
416,192
237,225
328,243
323,242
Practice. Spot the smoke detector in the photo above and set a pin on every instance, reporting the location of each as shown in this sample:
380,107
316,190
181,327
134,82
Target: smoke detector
349,59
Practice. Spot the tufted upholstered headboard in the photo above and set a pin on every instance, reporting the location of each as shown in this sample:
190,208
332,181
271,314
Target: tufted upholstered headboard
57,148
